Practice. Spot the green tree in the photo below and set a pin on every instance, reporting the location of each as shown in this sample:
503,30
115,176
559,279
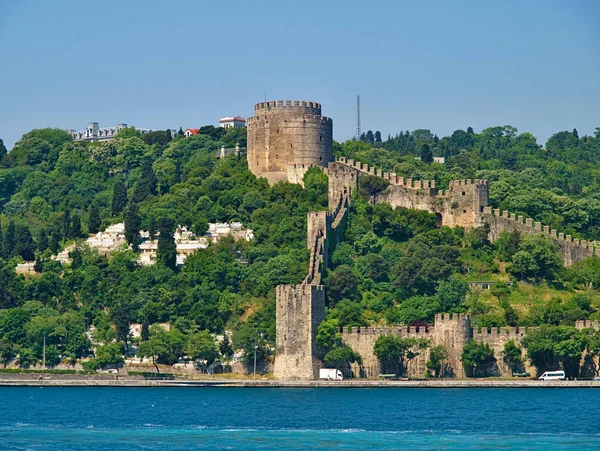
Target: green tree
132,225
202,346
426,154
437,355
120,315
164,347
146,184
75,228
478,356
166,253
342,283
225,348
537,258
395,353
3,150
553,347
512,356
108,355
42,242
8,247
24,245
119,198
369,186
94,219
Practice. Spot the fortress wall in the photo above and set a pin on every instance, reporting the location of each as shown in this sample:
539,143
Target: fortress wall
572,250
296,171
282,134
300,310
452,331
587,324
342,180
496,338
362,340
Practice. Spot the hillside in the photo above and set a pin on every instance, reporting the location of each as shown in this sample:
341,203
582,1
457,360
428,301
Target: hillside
395,266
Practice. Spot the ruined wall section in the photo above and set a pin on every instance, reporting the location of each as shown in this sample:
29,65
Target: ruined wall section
572,250
300,310
283,134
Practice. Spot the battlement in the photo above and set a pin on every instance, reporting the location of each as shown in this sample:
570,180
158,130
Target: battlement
587,324
288,106
456,317
392,330
391,177
510,332
529,226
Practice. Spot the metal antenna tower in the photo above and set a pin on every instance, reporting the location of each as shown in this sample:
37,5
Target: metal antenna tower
357,117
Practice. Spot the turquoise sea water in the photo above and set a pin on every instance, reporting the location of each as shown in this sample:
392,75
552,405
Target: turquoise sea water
53,418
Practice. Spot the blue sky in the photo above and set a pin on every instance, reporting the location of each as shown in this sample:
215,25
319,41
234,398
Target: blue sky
440,65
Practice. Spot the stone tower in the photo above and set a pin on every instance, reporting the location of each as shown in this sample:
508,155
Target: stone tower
300,310
285,138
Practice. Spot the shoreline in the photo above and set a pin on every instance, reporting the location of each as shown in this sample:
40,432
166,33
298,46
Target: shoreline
241,383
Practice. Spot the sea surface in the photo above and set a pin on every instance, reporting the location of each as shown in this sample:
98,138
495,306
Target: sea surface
89,418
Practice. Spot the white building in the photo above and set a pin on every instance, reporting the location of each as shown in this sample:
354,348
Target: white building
232,122
93,133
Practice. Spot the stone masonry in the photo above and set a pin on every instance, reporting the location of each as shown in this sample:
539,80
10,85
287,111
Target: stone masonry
285,139
283,142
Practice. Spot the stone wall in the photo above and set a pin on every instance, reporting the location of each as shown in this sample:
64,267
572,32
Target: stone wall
572,250
463,204
282,134
300,310
362,340
496,338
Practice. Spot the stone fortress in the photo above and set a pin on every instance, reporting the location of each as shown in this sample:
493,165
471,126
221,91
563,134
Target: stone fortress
285,139
283,142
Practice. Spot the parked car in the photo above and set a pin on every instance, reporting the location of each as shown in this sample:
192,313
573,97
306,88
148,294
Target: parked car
597,379
111,371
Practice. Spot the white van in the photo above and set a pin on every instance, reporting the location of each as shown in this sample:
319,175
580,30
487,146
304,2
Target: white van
552,376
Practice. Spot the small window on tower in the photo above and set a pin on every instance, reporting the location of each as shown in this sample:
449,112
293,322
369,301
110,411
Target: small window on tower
321,138
277,130
463,193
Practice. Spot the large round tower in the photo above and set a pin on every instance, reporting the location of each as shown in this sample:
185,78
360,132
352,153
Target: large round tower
286,134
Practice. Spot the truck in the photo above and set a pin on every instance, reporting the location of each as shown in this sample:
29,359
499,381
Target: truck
331,374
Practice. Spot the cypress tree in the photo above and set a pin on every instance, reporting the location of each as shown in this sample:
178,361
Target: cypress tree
54,242
24,244
66,224
9,241
166,253
94,219
132,225
426,154
180,132
119,200
3,150
42,243
152,227
146,184
75,228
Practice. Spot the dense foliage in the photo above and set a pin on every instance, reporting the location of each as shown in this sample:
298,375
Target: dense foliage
393,267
